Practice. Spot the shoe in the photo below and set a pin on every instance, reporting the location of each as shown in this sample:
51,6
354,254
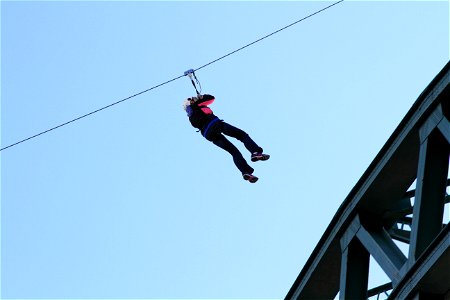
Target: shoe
259,156
250,178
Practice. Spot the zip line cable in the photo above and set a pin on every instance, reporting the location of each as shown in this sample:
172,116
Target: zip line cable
171,80
270,34
91,113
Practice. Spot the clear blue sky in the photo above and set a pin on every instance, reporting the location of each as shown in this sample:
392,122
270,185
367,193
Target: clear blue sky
132,202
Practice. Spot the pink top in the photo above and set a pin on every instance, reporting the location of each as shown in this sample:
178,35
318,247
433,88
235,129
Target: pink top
204,106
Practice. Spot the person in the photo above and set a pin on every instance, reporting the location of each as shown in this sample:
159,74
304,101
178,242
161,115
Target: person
214,130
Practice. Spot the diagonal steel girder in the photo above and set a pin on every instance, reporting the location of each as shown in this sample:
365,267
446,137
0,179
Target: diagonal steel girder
380,245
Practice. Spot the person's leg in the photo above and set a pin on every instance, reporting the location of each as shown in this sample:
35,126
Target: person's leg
222,142
241,136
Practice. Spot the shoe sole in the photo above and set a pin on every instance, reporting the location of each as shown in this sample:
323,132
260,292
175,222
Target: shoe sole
262,157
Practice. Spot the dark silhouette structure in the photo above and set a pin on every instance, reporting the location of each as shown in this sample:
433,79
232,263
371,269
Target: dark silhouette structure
380,209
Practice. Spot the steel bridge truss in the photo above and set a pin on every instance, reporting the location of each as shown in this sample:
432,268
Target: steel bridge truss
380,209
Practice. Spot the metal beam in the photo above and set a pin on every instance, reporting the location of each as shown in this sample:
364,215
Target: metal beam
444,127
357,243
354,272
382,289
430,272
430,193
398,218
431,123
400,235
354,264
350,233
384,251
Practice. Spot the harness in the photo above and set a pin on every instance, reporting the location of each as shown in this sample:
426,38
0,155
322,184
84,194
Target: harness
205,132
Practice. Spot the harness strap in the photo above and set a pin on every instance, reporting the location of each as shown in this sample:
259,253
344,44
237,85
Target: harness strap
209,125
193,83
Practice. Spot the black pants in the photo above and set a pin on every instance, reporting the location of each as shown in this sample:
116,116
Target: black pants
218,138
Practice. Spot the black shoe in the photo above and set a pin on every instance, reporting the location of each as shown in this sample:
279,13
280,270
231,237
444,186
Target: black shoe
259,156
250,178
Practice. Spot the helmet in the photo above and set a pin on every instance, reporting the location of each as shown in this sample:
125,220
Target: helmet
186,103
